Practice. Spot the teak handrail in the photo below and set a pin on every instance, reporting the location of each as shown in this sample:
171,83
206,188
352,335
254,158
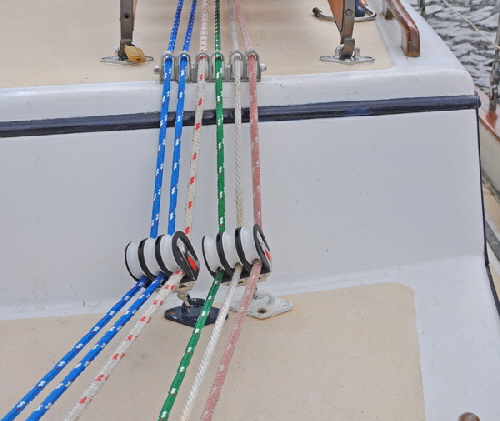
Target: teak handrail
410,36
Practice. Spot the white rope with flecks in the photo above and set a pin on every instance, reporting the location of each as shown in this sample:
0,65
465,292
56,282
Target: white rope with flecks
221,318
237,117
198,115
121,350
170,286
210,349
248,294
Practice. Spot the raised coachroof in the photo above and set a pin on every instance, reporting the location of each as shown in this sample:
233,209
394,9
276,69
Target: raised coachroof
49,43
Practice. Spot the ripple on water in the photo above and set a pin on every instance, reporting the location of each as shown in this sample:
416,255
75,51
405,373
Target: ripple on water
473,51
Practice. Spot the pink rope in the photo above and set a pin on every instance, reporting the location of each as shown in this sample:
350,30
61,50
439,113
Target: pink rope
254,116
243,25
254,141
220,377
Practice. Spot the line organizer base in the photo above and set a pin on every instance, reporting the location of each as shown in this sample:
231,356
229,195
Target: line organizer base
188,315
264,305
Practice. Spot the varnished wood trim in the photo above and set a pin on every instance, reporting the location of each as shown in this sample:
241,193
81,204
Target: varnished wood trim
410,36
489,119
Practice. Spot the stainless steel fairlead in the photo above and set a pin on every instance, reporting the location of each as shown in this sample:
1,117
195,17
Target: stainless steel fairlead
344,17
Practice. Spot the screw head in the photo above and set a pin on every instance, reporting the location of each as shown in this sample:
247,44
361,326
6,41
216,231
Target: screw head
348,12
468,416
156,70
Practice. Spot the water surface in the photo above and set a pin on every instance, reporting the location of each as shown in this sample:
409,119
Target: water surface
475,53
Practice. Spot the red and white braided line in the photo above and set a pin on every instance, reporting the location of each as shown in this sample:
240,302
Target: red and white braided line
121,350
221,318
254,116
254,141
210,349
200,103
172,283
218,382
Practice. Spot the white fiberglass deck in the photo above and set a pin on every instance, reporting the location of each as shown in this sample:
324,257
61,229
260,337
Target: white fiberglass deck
64,82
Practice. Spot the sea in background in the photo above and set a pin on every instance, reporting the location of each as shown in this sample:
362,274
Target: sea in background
473,51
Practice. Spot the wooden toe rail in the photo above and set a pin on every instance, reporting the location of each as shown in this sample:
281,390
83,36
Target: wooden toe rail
410,37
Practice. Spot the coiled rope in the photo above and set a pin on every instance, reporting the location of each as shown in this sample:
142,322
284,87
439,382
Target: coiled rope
174,280
45,380
225,361
205,311
221,317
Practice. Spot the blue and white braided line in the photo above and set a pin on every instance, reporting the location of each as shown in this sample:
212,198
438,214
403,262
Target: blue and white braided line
94,352
33,393
179,119
160,159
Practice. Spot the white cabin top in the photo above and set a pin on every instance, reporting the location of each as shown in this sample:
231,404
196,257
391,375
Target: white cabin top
51,45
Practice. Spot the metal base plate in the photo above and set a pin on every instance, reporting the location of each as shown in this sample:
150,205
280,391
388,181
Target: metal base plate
264,305
347,60
118,60
188,316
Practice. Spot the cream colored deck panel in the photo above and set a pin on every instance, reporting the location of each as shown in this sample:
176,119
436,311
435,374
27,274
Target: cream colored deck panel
57,42
320,361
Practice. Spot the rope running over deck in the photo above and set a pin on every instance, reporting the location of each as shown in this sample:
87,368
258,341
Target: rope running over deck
218,382
221,318
58,367
174,280
92,354
205,311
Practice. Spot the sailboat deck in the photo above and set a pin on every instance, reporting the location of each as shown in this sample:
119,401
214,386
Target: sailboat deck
57,43
373,213
320,360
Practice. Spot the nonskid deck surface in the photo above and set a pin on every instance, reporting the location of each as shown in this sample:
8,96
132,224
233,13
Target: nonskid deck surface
344,354
51,43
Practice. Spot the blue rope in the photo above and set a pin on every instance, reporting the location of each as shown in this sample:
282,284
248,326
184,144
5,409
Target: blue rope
33,393
160,159
95,351
179,118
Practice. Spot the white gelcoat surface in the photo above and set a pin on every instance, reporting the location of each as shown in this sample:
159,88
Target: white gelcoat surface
436,73
359,202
